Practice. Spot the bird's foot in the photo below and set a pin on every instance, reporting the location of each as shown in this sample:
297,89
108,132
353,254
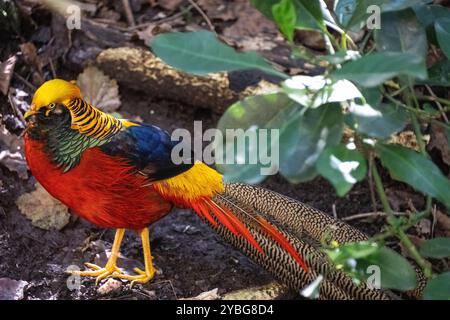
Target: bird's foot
99,272
142,276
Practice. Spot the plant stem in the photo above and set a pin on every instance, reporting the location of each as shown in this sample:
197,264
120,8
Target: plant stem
434,99
419,136
418,133
422,113
399,232
380,190
425,265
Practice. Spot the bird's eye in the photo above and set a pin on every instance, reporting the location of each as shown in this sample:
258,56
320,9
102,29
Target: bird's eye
50,108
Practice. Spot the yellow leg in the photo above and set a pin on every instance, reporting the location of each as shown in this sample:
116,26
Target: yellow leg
147,275
110,267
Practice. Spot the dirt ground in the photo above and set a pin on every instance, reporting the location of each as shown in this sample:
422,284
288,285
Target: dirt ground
190,257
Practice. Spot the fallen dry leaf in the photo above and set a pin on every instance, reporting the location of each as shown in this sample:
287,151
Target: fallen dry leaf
30,55
407,139
11,154
208,295
12,289
439,141
18,101
109,286
423,227
216,9
153,30
257,43
311,39
6,72
443,222
250,23
169,4
401,200
98,89
43,210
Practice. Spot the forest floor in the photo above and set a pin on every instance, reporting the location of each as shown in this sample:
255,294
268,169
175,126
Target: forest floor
190,257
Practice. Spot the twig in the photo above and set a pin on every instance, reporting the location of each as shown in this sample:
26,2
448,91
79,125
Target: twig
434,99
434,220
424,264
203,14
373,198
163,20
25,81
334,211
380,190
441,109
52,67
371,215
128,13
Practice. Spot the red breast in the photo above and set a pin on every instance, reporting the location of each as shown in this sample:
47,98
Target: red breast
102,189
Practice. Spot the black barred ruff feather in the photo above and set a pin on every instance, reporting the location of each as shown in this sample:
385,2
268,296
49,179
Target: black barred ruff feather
92,122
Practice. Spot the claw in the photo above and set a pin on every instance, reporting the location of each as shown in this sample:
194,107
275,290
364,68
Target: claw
98,272
142,276
112,271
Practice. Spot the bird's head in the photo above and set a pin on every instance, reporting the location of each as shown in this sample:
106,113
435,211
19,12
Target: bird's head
51,98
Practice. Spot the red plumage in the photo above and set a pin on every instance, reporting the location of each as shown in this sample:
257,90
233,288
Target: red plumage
101,189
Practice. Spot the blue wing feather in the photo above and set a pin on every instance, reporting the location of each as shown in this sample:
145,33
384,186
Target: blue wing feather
148,148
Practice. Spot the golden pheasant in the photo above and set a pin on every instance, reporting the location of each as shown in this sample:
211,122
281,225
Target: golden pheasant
119,174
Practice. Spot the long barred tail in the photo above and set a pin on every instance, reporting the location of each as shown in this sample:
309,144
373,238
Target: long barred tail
305,222
292,259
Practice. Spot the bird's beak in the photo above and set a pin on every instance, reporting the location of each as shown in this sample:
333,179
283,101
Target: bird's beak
30,112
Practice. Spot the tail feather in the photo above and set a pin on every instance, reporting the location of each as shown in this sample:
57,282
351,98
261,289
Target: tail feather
224,212
203,211
283,241
284,252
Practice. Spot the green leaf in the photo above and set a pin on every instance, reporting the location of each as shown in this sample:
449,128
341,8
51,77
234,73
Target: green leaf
378,121
427,15
356,250
401,32
438,288
413,168
265,6
395,272
285,16
442,27
305,137
201,53
270,111
309,15
342,166
373,69
353,14
436,248
318,90
372,95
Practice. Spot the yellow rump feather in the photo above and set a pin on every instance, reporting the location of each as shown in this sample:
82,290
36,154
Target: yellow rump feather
198,182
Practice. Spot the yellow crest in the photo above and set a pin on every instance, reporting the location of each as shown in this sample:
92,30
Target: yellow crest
54,91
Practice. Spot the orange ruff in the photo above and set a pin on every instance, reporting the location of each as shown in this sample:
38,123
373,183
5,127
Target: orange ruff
101,189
